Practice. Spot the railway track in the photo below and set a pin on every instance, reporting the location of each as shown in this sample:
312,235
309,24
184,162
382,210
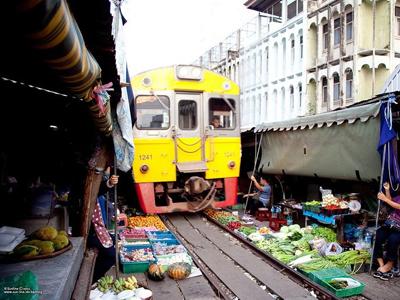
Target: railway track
235,267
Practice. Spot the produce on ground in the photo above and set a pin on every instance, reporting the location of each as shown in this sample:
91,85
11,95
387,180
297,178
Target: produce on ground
327,233
147,221
137,255
247,230
104,284
133,233
234,225
163,249
156,272
179,271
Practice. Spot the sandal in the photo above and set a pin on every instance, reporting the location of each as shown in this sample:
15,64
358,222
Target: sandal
385,276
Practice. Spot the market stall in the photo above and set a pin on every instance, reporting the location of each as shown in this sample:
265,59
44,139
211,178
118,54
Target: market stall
57,115
311,250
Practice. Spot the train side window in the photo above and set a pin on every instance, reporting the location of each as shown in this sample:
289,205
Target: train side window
222,113
187,114
152,112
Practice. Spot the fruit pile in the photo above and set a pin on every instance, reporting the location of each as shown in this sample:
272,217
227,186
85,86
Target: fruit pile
147,221
46,240
215,214
104,284
137,255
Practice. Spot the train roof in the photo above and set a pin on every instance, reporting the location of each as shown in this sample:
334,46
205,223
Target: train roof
167,78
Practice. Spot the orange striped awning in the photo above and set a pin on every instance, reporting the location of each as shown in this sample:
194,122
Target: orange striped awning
51,31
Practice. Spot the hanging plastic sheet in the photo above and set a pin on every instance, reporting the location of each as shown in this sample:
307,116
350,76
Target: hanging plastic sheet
387,146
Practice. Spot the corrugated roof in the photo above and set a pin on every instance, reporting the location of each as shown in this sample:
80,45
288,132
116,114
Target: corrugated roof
360,111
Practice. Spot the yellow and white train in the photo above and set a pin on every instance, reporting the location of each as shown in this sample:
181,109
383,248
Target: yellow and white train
187,139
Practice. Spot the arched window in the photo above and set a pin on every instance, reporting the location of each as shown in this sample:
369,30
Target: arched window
325,34
349,23
336,87
349,84
397,16
254,69
283,96
300,95
324,84
336,30
291,91
260,65
266,109
283,67
292,50
301,45
275,59
266,63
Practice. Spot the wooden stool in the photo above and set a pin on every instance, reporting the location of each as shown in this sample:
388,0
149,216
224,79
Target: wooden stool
262,214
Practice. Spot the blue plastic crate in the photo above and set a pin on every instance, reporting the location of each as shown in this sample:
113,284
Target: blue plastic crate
159,235
168,242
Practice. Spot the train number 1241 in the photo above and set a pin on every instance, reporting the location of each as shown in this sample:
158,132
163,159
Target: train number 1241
145,156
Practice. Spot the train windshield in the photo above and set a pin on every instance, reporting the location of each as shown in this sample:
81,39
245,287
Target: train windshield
222,113
152,112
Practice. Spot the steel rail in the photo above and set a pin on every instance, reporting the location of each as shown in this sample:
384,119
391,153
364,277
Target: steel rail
321,292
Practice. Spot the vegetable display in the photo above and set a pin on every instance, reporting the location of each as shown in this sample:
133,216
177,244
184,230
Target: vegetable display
328,234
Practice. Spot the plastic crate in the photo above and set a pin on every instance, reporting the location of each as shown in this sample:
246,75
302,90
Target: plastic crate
159,235
167,242
343,292
326,273
312,208
334,212
136,266
137,242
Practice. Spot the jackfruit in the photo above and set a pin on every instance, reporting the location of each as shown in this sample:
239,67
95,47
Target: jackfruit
62,232
26,251
46,233
31,242
46,247
60,241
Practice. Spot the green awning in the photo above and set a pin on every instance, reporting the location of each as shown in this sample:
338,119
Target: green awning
340,144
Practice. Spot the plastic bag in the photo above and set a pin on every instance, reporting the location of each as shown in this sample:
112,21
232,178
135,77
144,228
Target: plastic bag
331,249
317,243
21,286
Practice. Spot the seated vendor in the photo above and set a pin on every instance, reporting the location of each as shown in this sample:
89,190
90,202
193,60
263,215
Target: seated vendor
388,235
262,198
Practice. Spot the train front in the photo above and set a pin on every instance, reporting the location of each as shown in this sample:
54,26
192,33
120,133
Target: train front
187,139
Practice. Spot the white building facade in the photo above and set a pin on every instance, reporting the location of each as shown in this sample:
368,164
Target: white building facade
266,58
272,77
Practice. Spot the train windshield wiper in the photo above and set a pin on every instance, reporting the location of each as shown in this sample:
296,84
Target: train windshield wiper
159,100
229,104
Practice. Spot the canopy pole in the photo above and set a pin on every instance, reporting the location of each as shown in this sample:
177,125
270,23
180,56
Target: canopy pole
379,205
257,153
116,223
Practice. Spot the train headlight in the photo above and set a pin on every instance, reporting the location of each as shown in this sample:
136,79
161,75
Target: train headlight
231,164
189,72
144,169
